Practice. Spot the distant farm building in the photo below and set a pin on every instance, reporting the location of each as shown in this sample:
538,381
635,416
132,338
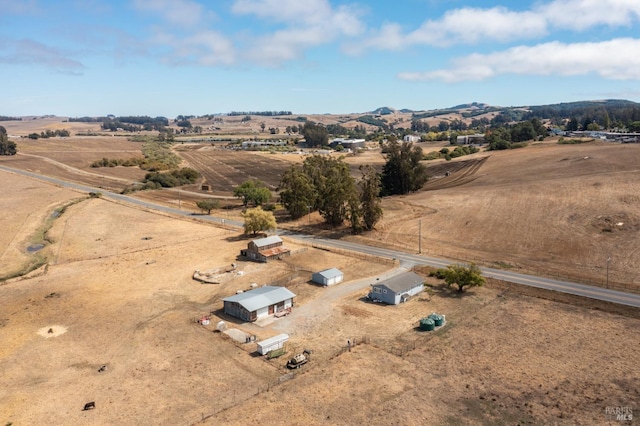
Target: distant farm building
398,289
411,138
264,249
258,303
328,277
348,143
477,139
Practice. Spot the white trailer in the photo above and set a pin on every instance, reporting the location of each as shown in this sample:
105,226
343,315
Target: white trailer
272,343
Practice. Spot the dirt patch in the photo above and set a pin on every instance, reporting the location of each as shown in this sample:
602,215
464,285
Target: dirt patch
52,331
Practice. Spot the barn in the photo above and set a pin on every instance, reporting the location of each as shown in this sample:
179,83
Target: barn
328,277
258,303
397,289
264,249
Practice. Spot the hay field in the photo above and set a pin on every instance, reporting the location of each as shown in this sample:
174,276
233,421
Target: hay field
548,208
118,293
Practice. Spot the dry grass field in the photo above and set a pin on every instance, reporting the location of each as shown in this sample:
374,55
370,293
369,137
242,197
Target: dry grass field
551,209
118,293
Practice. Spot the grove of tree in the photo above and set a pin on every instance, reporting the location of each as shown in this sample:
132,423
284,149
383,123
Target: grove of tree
402,173
252,191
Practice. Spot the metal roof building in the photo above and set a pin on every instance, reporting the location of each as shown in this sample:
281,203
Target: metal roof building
328,276
397,289
258,303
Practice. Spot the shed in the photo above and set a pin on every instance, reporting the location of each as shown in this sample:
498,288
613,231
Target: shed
266,248
397,289
272,343
258,303
327,277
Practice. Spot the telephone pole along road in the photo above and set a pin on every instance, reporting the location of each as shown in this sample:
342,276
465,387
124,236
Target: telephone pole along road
406,260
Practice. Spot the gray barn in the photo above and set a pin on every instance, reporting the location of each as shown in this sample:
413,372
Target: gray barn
397,289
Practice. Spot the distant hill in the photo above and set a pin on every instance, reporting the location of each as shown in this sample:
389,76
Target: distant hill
383,111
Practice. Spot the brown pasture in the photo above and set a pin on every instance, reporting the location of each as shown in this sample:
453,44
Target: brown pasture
118,293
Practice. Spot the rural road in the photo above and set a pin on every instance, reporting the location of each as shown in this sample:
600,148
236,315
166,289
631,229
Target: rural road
406,260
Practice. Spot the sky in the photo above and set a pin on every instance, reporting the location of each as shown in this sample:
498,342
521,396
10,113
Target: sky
195,57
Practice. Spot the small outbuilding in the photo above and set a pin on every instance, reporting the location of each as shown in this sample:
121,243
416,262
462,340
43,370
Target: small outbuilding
397,289
272,343
328,277
267,248
258,303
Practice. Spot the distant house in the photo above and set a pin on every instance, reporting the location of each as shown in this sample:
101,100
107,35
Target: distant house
398,289
477,139
258,303
328,277
411,138
264,249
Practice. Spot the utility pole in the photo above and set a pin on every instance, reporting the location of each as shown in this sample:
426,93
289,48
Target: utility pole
179,199
419,236
608,260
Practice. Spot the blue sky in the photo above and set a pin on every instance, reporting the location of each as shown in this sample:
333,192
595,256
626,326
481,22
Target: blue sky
170,57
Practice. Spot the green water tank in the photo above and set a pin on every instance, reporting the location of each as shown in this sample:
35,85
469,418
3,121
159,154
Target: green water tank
437,319
427,324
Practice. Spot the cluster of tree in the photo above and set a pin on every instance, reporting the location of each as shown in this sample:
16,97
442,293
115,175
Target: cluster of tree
183,176
402,173
184,123
252,191
358,132
262,113
85,119
508,137
5,118
325,184
7,147
134,123
50,134
458,151
369,119
293,129
606,114
315,134
114,162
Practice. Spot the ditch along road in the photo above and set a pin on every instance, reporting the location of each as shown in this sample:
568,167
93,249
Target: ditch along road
407,260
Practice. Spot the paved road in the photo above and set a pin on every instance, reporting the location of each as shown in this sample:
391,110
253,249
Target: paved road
406,260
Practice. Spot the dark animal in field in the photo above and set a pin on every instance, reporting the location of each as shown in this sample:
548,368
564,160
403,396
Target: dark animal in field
89,406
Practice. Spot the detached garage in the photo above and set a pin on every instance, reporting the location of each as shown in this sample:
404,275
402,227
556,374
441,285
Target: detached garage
328,277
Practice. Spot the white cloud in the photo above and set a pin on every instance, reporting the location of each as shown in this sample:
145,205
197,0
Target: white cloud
305,25
30,52
208,48
475,25
471,25
179,12
613,60
584,14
